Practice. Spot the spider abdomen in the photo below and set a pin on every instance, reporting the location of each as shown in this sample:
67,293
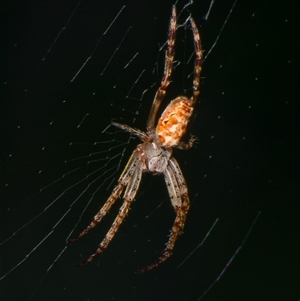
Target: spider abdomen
172,124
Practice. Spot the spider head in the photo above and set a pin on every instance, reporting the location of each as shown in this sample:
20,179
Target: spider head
154,157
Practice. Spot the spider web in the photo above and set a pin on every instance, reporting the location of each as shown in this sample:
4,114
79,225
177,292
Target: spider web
69,69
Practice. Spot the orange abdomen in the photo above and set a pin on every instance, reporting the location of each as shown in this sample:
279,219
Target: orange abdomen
172,124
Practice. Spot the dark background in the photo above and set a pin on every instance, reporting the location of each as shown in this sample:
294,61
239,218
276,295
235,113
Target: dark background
246,160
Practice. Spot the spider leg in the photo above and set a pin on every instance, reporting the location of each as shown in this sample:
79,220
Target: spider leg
198,62
142,135
180,200
167,74
187,145
129,196
124,179
181,183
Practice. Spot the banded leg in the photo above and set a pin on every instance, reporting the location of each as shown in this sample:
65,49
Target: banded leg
142,135
167,74
180,201
129,196
122,182
198,62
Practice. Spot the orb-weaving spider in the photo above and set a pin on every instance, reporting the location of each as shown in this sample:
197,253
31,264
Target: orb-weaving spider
154,155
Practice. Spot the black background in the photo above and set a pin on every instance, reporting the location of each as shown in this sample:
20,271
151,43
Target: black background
245,162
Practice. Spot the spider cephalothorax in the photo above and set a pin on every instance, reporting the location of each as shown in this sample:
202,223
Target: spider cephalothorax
154,154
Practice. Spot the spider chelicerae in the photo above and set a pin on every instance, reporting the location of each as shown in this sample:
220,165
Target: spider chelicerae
154,155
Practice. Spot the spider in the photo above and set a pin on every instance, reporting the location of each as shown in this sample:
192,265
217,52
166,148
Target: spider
154,154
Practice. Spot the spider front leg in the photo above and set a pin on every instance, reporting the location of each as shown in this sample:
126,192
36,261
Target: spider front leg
124,179
180,200
129,196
